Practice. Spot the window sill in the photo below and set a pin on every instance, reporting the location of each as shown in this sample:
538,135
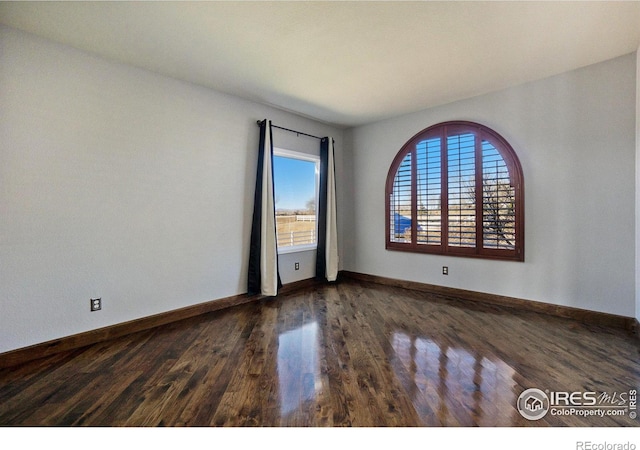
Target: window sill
467,252
297,249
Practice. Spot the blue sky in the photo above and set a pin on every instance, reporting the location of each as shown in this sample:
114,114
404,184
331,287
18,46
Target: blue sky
294,181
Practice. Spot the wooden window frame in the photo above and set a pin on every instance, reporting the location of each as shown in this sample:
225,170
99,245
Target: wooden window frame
516,179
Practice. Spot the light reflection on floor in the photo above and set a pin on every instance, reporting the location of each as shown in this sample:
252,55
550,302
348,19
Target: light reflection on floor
484,387
298,367
444,379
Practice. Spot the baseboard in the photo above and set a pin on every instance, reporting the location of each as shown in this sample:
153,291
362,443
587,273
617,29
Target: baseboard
582,315
49,348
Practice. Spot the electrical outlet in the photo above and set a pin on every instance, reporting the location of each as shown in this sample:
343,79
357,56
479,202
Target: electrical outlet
96,304
297,266
445,270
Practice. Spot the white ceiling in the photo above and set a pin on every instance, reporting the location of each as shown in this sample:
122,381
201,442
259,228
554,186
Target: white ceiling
345,63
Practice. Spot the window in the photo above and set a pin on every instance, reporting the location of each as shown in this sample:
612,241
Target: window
456,188
295,179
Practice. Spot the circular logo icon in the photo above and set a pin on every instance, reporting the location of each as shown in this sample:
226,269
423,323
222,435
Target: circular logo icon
533,404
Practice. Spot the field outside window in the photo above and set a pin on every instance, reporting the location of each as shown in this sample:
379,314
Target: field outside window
296,190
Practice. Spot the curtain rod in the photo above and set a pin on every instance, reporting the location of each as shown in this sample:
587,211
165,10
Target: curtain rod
292,131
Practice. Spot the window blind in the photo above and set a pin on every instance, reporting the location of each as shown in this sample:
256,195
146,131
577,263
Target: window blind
456,188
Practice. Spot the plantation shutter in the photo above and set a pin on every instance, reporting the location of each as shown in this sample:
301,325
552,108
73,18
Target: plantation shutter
456,188
461,168
429,189
498,201
400,201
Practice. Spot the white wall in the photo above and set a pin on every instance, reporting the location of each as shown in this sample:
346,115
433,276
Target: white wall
575,137
123,184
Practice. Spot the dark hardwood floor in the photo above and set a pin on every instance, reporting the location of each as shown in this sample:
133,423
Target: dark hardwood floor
350,354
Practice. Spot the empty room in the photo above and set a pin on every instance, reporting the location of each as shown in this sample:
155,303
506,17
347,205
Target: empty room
319,214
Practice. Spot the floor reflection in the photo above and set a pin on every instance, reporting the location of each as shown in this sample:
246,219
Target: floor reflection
453,385
298,367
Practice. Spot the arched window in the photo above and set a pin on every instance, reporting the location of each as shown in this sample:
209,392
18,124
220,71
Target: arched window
456,189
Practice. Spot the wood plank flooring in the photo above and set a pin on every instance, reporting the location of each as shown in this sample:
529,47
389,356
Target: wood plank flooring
350,354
